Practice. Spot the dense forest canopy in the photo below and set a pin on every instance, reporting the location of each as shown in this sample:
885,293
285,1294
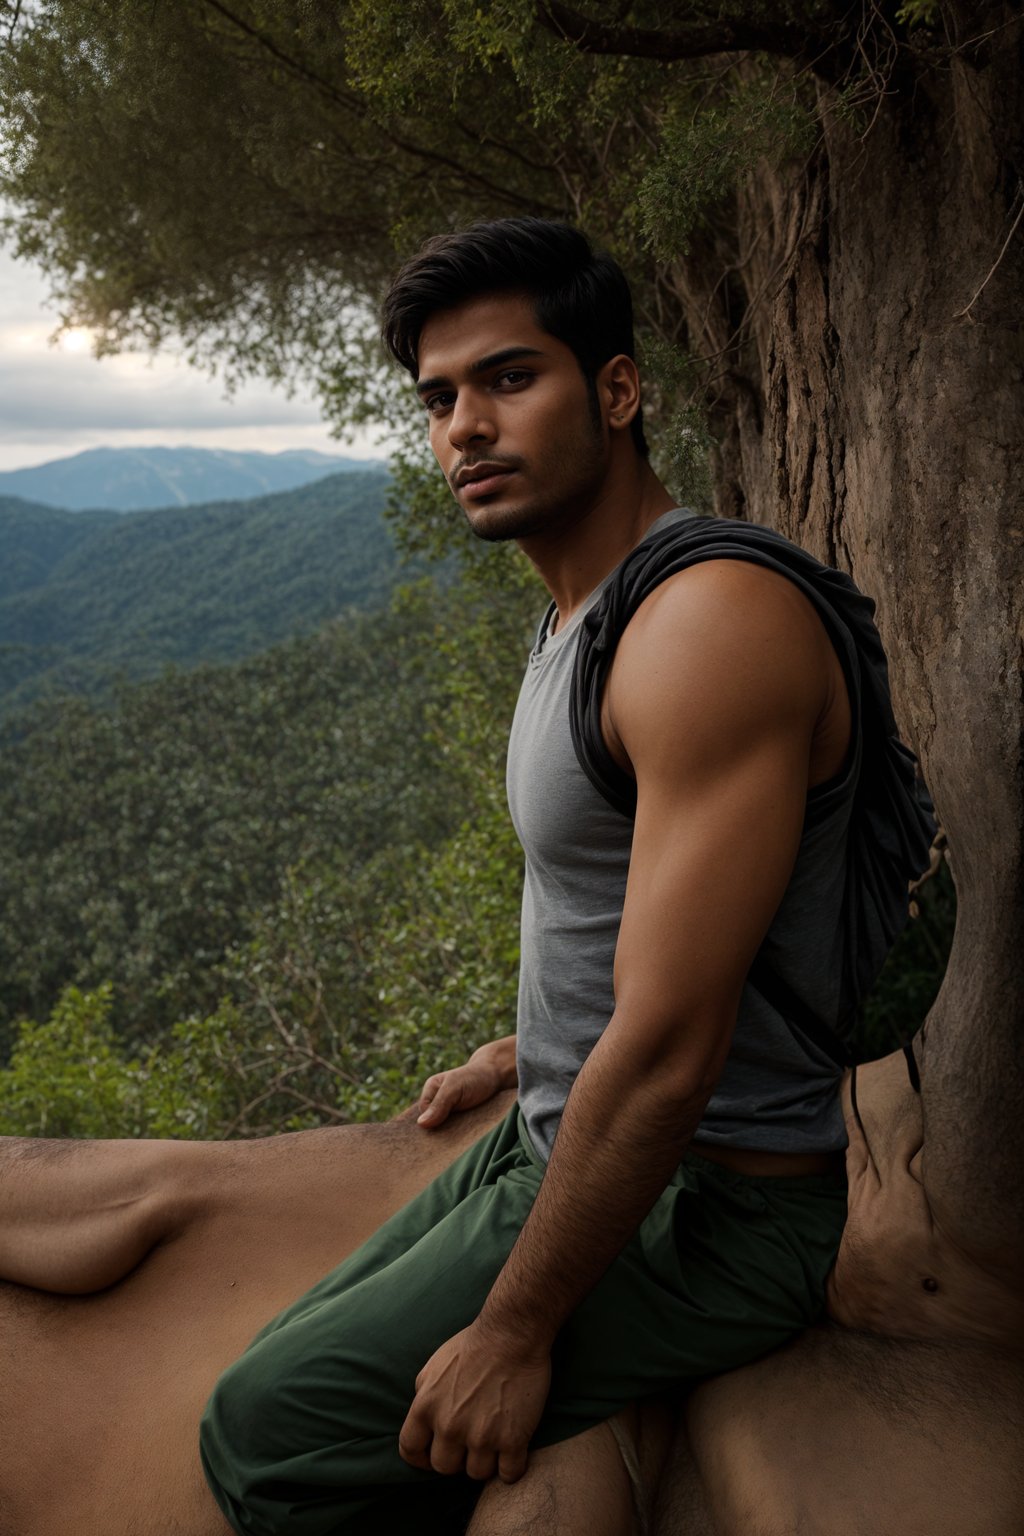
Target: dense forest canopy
90,598
269,894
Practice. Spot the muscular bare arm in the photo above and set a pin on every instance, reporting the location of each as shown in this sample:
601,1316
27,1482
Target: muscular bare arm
714,696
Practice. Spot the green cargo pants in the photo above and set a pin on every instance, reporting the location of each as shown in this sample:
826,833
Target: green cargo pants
300,1437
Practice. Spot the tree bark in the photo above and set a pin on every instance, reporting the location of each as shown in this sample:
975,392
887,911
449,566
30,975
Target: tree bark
871,406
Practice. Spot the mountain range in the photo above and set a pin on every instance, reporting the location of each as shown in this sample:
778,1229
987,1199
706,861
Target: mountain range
139,479
87,598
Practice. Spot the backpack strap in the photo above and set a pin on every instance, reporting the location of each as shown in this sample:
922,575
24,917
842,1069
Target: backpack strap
892,822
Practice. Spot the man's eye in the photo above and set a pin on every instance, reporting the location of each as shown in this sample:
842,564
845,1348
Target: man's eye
437,403
514,376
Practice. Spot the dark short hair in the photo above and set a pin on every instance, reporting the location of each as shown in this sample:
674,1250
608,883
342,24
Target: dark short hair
579,294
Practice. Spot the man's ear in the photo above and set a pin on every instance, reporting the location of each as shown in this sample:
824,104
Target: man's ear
618,391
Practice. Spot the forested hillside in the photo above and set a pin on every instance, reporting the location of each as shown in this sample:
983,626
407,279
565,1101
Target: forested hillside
37,538
281,888
87,598
134,479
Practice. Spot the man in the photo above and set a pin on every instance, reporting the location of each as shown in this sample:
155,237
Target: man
667,1200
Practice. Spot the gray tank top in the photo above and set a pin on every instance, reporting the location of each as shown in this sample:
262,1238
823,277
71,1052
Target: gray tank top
778,1092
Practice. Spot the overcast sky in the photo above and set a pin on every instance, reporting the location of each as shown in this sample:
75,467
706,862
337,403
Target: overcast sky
56,400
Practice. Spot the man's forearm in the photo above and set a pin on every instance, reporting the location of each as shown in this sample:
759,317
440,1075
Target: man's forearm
623,1131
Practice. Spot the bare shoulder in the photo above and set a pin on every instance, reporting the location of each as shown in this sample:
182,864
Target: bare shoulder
728,604
723,645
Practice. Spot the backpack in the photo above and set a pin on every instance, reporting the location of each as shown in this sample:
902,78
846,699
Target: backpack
892,823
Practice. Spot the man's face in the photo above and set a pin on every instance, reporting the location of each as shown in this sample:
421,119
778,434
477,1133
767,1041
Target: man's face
512,422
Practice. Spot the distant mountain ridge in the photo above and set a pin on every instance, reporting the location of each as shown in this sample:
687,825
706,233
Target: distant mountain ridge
144,479
87,597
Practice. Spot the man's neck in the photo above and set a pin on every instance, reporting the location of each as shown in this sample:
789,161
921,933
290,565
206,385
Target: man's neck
573,560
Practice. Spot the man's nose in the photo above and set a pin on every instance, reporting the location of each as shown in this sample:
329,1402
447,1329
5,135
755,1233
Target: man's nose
470,422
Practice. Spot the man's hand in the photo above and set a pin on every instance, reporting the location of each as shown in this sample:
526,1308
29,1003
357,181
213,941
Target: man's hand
478,1400
488,1071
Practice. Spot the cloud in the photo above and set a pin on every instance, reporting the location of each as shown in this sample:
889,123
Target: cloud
74,392
56,400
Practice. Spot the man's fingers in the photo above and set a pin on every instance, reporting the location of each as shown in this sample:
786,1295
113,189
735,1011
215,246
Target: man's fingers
460,1088
447,1456
480,1464
414,1440
430,1088
434,1102
445,1097
512,1464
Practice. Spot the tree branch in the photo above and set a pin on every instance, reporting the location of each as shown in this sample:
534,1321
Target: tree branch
15,14
727,34
357,109
965,313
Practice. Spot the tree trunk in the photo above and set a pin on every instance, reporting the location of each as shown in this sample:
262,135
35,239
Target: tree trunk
876,416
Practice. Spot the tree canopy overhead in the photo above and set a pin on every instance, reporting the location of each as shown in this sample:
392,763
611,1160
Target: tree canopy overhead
244,175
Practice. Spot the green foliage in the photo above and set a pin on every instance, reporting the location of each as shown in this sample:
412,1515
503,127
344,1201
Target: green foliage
500,73
355,976
702,156
356,981
918,13
73,1075
37,538
93,597
137,839
680,452
68,1077
445,964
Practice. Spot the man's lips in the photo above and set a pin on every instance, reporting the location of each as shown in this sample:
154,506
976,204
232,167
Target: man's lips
482,479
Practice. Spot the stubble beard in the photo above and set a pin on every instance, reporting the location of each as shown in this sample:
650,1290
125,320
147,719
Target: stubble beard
500,525
576,484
